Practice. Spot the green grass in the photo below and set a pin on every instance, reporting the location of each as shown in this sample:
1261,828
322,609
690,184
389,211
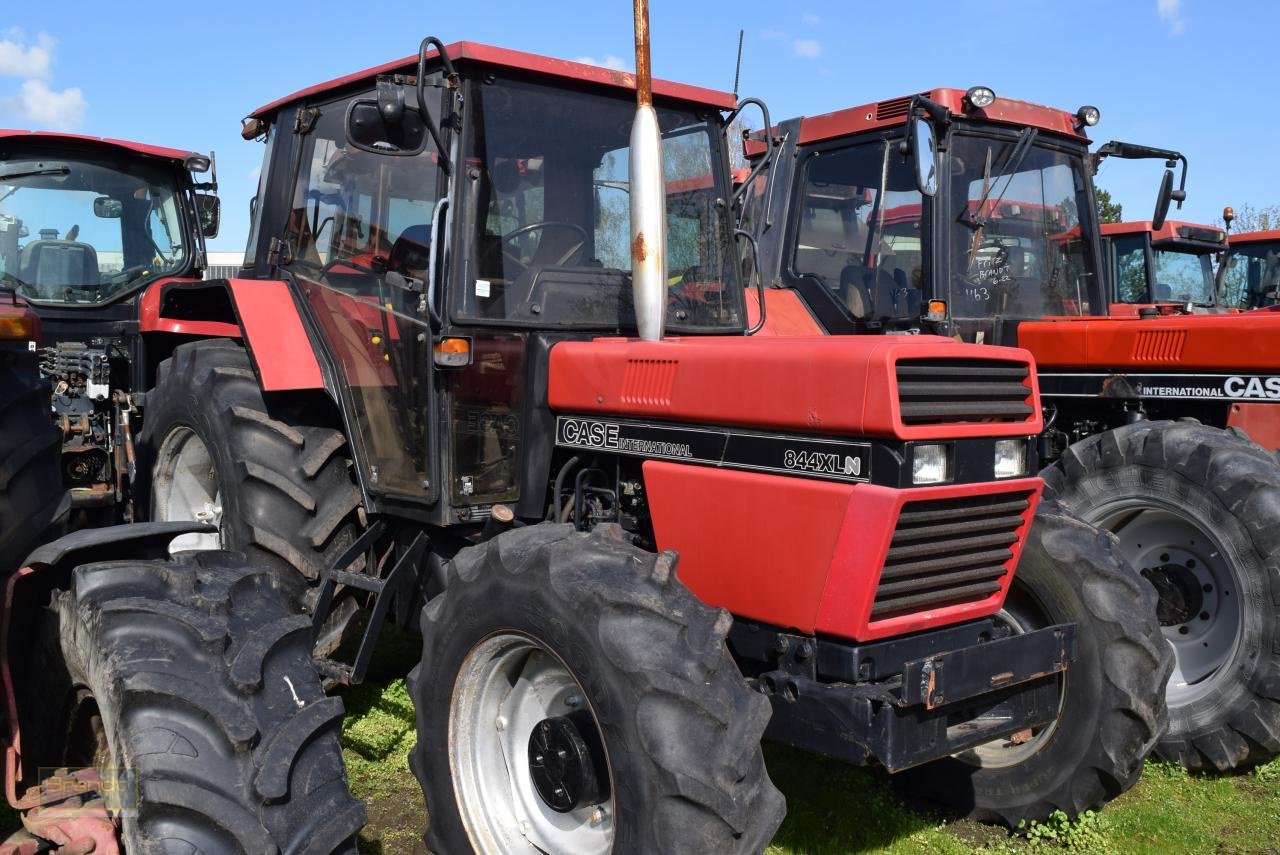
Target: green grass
834,808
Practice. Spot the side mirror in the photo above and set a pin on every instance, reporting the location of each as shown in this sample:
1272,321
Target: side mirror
384,127
1163,198
924,150
107,208
209,208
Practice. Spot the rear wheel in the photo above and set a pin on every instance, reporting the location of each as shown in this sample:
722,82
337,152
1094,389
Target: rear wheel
573,696
1197,512
278,486
30,445
189,683
1111,698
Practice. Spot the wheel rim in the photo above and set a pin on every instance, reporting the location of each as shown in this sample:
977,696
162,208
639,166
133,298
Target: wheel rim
185,487
1200,600
510,701
1017,747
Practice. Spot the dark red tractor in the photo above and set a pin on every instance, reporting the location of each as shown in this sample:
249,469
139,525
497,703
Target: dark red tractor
967,214
491,367
1249,276
1169,268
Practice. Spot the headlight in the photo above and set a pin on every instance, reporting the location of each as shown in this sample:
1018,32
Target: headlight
1011,458
929,464
980,96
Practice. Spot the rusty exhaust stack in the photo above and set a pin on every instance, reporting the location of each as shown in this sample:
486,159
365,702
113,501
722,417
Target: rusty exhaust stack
648,196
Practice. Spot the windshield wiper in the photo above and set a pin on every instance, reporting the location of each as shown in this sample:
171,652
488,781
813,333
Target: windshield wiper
1019,153
48,170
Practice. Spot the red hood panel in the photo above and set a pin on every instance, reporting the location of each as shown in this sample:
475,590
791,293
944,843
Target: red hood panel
840,385
1224,342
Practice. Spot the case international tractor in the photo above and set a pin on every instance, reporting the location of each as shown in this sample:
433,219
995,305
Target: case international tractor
1170,267
492,367
965,214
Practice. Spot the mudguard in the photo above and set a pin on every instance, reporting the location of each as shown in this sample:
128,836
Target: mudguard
262,313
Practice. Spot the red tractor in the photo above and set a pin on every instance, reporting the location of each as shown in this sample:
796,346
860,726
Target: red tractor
969,215
427,403
1249,276
30,496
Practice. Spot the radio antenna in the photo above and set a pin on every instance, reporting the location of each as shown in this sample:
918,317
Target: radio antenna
737,68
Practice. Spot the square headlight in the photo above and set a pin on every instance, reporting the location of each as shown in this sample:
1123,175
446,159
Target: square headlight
1011,458
929,464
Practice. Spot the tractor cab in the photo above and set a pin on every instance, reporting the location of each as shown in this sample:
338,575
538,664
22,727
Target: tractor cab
442,252
1249,274
950,211
1170,266
87,223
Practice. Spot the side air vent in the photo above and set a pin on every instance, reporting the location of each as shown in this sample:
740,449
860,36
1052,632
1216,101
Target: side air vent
1159,345
946,552
941,391
894,108
649,381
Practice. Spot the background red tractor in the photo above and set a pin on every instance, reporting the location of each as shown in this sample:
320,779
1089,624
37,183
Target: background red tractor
1170,266
973,215
1249,277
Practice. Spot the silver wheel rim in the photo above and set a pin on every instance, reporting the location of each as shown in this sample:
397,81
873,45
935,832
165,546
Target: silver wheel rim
1018,747
507,685
1154,534
185,487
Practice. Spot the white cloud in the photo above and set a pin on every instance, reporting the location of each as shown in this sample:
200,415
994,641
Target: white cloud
19,59
807,48
46,108
36,103
617,63
810,20
1170,11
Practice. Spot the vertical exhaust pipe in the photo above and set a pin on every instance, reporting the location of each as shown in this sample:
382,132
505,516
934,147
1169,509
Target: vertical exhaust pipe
648,195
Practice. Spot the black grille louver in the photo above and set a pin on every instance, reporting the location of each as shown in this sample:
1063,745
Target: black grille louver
942,391
949,551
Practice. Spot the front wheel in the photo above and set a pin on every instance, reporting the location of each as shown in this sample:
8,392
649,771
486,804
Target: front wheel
1112,706
1197,512
574,697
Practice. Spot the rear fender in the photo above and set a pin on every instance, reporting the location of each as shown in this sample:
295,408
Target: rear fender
27,592
262,314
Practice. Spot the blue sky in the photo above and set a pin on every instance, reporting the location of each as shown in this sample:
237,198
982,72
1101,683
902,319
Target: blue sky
1186,74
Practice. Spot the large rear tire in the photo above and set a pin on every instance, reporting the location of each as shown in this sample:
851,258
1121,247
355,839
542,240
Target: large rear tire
549,643
30,445
193,676
1112,697
1197,512
279,486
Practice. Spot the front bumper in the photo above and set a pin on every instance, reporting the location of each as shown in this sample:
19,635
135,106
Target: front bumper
929,695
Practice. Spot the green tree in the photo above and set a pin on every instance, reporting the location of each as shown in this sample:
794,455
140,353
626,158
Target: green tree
1108,211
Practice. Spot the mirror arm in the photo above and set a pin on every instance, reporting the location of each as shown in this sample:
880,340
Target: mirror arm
451,78
755,265
770,145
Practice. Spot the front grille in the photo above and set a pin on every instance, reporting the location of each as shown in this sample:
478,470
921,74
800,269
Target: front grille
949,551
943,391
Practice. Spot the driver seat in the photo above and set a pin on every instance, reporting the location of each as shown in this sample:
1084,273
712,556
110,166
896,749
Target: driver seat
48,266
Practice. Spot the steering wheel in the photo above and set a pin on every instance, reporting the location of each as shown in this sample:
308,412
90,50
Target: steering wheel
575,250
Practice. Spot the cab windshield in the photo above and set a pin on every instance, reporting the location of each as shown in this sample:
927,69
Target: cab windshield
76,230
549,196
1018,230
1181,275
1251,278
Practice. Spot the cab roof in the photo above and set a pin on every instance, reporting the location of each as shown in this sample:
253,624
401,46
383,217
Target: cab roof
1265,236
517,60
174,154
884,114
1171,230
